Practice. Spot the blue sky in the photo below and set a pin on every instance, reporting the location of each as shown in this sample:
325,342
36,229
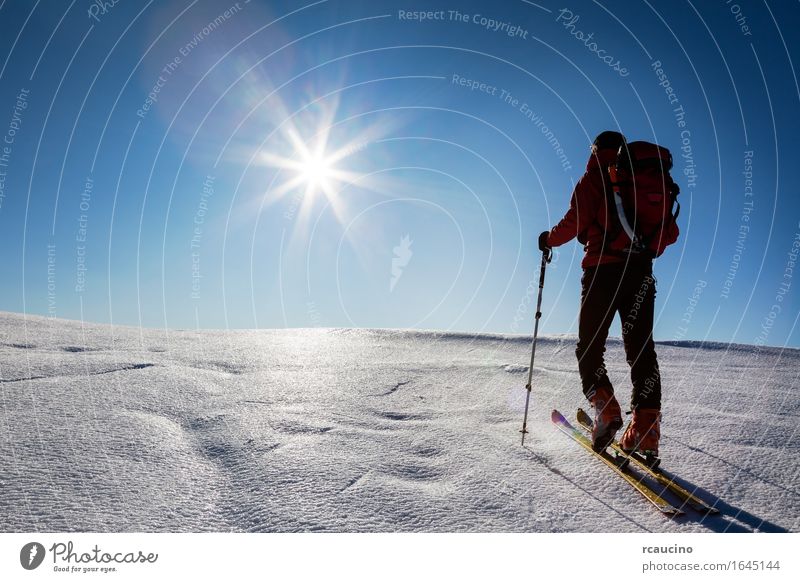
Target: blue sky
298,164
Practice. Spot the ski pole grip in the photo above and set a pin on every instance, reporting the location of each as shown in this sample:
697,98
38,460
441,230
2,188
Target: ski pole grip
546,256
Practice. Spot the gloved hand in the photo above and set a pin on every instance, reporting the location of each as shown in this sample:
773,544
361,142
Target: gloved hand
543,246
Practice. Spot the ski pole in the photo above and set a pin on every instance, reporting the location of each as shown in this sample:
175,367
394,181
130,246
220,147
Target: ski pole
547,255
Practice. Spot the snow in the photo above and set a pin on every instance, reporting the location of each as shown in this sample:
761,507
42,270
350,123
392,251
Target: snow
120,429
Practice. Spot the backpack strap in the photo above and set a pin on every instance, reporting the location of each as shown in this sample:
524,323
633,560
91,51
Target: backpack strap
637,245
675,190
612,227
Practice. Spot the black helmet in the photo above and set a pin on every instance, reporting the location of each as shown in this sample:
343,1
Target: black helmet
611,140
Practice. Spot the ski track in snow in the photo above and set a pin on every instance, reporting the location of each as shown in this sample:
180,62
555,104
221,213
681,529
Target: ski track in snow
121,429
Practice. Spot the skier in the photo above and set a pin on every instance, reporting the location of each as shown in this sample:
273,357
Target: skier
611,283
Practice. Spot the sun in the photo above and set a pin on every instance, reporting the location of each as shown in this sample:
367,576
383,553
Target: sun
312,169
317,171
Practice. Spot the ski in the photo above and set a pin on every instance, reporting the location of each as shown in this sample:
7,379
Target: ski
575,434
689,498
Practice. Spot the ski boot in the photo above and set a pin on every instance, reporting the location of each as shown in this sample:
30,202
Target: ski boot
607,418
643,434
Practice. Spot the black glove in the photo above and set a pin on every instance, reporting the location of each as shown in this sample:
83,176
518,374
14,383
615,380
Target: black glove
543,246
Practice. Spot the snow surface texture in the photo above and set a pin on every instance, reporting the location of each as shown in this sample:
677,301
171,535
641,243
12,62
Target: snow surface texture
120,429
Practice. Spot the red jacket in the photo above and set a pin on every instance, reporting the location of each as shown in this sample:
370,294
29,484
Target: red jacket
587,217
